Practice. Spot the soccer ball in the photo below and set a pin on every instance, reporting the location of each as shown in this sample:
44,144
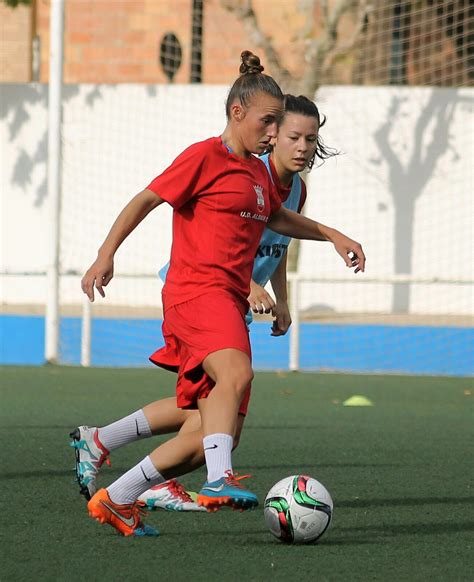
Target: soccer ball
298,509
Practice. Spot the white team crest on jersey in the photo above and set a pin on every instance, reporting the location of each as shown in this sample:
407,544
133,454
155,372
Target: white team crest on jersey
260,199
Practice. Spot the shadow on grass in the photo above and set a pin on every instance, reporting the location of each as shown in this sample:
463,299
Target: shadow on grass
320,543
404,502
66,428
118,471
340,536
279,427
72,425
291,467
46,472
262,537
410,529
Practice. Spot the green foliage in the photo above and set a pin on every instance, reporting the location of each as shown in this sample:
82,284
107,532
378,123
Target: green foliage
15,3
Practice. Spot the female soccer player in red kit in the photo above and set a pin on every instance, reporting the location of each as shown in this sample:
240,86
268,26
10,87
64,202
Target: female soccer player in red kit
296,146
222,198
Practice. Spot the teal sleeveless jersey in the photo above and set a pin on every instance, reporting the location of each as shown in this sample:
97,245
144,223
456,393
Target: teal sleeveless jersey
273,246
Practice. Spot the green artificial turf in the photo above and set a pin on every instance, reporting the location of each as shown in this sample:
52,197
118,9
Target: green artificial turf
400,473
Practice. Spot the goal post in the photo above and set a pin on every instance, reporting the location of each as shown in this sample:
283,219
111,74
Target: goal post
52,317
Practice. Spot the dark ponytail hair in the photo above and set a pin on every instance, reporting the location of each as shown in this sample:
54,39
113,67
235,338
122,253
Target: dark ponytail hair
304,106
251,81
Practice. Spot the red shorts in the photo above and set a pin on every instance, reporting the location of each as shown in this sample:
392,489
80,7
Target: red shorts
194,329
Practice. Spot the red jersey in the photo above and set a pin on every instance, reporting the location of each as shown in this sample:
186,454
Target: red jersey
221,205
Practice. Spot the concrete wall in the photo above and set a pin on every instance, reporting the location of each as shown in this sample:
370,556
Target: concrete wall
403,187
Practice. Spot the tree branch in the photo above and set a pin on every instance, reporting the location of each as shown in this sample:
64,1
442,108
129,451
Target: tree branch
320,52
363,13
319,48
245,13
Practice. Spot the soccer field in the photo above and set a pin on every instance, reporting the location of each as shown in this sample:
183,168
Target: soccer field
400,473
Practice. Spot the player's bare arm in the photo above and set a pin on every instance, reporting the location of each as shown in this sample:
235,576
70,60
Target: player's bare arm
101,272
281,312
292,224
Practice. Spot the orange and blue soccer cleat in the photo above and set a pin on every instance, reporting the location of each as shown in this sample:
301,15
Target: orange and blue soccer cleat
227,491
126,519
171,496
90,456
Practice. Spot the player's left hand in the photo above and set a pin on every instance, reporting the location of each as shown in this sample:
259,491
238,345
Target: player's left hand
282,320
351,251
259,300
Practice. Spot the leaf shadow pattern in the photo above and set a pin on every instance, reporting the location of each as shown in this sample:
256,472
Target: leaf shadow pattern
16,107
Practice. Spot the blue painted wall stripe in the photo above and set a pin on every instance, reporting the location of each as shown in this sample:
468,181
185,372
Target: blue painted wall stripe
331,347
21,340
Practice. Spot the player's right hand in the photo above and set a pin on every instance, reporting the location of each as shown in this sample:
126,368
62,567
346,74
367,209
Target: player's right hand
259,300
99,275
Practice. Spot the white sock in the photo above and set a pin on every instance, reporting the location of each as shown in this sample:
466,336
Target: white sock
124,431
217,450
129,487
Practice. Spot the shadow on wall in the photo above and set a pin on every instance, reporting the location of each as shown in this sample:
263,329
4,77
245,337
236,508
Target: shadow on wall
408,180
16,102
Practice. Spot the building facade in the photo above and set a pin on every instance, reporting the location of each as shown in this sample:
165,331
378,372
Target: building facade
427,42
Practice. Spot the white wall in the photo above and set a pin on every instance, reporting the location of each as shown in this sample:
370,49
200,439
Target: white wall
398,144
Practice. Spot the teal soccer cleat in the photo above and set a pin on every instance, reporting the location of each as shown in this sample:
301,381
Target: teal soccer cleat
90,456
227,491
